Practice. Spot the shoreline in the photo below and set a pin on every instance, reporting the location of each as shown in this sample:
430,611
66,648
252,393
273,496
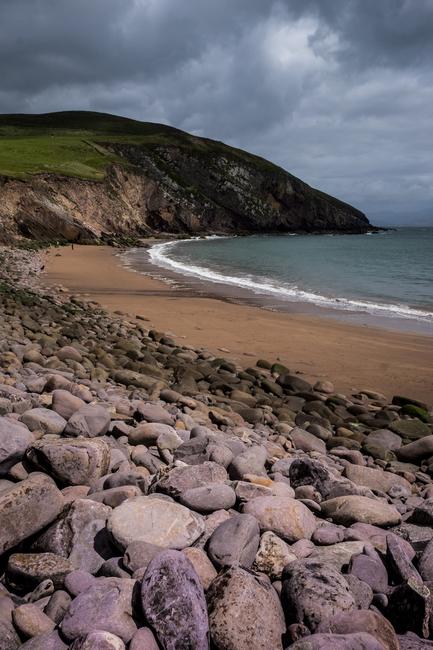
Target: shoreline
352,356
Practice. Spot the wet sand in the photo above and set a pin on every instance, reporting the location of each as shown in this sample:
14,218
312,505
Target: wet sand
351,356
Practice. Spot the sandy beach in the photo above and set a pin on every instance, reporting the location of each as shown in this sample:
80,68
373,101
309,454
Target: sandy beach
351,356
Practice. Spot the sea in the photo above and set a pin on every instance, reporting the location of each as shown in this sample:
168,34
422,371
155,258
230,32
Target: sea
388,274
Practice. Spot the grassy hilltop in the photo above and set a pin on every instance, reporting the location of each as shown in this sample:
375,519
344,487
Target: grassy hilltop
80,176
72,143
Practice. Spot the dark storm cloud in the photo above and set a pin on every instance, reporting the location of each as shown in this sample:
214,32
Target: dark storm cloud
337,91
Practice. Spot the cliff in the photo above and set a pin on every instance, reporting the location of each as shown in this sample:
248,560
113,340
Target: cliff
86,176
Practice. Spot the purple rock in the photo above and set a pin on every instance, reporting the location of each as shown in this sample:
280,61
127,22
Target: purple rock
174,603
106,605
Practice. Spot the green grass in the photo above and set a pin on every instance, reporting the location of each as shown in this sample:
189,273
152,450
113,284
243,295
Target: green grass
68,155
72,144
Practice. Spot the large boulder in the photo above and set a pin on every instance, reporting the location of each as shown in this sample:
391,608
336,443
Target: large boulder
154,520
347,510
174,604
244,612
71,462
21,511
313,593
284,516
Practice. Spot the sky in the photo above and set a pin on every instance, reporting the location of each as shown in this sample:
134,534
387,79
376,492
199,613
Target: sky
338,92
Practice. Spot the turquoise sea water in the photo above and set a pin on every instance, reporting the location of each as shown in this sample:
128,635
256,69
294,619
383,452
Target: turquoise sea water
388,274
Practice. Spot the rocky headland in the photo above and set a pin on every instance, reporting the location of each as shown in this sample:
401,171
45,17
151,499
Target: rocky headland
89,177
157,496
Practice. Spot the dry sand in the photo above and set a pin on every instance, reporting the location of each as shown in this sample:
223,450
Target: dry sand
351,356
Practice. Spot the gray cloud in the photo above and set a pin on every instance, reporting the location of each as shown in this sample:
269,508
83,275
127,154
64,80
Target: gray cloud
339,92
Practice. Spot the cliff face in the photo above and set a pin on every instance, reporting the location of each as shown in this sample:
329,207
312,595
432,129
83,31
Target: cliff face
190,186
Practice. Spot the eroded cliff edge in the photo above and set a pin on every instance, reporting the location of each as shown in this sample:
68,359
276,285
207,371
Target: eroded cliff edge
177,183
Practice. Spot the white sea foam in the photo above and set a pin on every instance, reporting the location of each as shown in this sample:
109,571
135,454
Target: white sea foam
159,255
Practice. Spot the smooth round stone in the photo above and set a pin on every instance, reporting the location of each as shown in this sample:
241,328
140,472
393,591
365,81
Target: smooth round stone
31,621
284,516
171,584
155,521
209,498
106,605
347,510
48,641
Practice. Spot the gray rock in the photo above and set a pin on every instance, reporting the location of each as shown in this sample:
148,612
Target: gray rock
372,571
106,605
235,541
42,419
306,441
14,440
313,593
361,591
180,479
284,516
251,461
153,413
79,535
337,555
71,462
89,421
208,498
347,510
174,604
417,450
78,581
385,438
21,514
65,404
244,612
57,606
139,554
155,521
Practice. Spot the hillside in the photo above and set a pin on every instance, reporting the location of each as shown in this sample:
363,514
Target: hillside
81,176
